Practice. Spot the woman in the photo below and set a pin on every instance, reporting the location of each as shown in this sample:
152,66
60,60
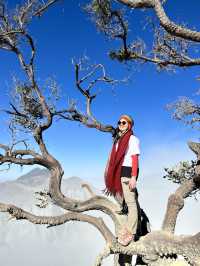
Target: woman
121,175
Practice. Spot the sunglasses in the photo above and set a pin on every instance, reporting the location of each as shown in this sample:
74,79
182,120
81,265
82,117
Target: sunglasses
122,123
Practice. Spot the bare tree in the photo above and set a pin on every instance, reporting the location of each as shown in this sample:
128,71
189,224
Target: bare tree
32,113
172,45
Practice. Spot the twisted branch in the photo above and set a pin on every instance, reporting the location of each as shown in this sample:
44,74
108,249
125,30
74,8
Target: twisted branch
163,54
87,119
176,200
20,214
166,23
175,204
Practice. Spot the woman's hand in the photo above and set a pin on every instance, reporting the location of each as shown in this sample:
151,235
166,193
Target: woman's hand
132,183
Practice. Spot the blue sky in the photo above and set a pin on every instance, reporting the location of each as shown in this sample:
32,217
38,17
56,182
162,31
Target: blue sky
65,32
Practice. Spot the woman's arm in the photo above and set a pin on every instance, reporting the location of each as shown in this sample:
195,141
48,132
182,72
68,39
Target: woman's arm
134,173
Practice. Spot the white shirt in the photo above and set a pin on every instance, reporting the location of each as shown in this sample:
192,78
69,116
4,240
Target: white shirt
132,149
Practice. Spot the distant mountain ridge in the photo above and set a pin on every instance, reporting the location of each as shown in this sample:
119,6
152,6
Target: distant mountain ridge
39,176
37,179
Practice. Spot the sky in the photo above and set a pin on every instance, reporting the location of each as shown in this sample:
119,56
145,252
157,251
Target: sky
66,32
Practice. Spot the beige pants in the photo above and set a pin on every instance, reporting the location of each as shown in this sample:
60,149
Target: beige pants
131,201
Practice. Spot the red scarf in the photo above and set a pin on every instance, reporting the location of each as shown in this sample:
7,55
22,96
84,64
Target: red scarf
113,173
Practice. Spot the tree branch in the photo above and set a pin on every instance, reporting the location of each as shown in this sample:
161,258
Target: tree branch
176,200
89,119
22,16
89,189
75,115
43,8
20,161
175,204
138,3
129,55
112,23
166,23
94,203
104,254
173,28
19,214
16,156
26,152
162,244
